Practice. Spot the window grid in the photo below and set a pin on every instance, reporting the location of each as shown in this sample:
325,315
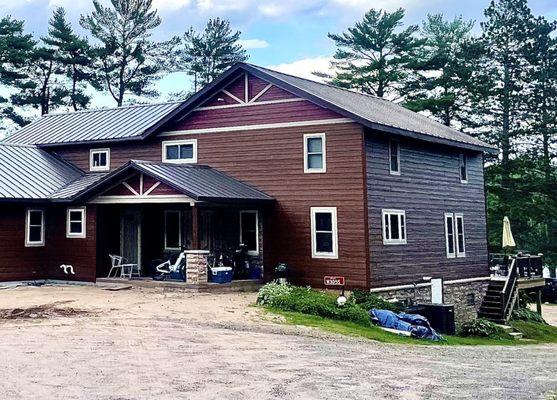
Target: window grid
73,222
180,151
309,153
455,238
394,157
32,227
99,160
394,226
333,232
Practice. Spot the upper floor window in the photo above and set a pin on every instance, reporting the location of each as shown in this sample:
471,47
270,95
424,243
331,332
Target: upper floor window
463,166
249,231
180,151
34,228
394,157
454,235
394,226
315,153
99,160
75,223
324,237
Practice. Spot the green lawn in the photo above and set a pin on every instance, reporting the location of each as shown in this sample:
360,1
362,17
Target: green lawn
538,333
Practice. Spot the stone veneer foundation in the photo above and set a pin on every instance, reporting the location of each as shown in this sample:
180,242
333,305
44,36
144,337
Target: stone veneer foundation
196,266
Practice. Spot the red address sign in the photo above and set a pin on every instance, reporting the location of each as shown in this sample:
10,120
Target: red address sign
334,280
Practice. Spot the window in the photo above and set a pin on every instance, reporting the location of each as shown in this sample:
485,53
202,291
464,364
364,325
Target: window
324,238
180,151
34,228
394,226
454,235
315,159
75,223
99,160
394,157
463,168
172,230
249,231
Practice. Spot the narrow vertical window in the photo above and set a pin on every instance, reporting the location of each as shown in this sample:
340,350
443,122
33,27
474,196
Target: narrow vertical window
394,226
172,230
75,223
249,231
324,235
315,159
463,168
34,228
394,157
460,240
99,160
449,235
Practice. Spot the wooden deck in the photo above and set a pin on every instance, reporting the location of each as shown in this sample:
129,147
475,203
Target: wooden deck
530,283
247,285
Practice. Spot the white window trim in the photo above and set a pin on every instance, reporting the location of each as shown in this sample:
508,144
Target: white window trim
83,232
256,251
167,143
314,252
463,155
179,229
323,169
399,213
29,243
397,158
460,252
449,254
102,168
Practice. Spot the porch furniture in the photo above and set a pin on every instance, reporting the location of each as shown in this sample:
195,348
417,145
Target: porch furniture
126,270
116,265
131,270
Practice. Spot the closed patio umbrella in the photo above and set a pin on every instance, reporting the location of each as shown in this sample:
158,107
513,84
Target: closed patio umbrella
508,240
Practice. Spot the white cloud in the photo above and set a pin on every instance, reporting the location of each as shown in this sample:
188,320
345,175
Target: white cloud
305,68
170,5
253,43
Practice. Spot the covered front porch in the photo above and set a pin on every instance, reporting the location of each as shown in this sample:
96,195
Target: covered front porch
148,213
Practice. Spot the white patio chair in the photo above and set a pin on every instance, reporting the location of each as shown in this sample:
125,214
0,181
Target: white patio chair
131,270
116,265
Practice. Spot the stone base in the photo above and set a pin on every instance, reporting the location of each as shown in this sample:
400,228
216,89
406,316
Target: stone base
196,266
466,295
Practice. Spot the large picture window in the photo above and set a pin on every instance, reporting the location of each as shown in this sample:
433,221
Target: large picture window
249,231
180,151
455,240
172,230
394,226
324,237
315,157
75,223
34,228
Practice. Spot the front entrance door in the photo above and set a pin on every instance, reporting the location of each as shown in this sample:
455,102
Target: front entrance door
130,237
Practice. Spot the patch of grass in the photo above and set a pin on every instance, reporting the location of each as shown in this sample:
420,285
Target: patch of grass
374,333
535,331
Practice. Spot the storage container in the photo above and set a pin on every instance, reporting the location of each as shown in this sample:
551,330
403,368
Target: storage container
221,275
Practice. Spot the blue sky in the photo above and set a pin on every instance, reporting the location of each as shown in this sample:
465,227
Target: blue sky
289,35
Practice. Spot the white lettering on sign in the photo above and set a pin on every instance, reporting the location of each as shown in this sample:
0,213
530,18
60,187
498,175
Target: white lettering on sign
334,280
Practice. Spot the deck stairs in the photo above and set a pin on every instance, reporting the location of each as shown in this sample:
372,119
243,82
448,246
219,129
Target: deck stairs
501,297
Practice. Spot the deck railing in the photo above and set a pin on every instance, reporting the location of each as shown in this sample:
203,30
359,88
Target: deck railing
509,290
528,266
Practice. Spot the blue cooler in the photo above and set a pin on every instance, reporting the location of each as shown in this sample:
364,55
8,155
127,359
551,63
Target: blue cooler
221,275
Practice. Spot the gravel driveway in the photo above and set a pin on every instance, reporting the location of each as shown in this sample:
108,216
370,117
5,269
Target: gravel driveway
145,344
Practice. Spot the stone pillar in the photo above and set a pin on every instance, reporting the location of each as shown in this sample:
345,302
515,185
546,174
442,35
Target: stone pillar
196,266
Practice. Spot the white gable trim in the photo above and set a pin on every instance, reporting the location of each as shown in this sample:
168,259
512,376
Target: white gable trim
250,104
331,121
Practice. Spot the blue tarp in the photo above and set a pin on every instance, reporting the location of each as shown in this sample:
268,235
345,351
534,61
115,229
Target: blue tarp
417,325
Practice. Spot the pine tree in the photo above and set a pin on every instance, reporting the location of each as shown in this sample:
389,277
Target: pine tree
373,56
130,62
74,55
446,66
204,56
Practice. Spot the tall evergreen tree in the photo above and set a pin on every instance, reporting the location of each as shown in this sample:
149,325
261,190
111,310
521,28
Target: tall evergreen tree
442,86
74,55
204,56
375,56
129,61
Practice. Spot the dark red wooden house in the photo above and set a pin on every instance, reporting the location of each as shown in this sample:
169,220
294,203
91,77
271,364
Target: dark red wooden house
329,181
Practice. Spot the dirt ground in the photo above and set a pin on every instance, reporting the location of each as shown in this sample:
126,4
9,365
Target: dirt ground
150,344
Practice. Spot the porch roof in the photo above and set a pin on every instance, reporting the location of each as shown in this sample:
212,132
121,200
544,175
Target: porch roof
199,182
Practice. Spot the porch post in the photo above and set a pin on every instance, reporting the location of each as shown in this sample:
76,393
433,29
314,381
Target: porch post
194,228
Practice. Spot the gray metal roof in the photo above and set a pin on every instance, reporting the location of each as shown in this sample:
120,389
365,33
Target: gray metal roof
93,125
77,186
29,173
376,110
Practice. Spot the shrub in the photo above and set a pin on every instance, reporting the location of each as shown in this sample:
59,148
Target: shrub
312,302
481,328
369,301
524,314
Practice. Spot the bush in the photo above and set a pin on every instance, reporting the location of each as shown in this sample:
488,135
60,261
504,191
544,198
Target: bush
481,328
524,314
312,302
369,301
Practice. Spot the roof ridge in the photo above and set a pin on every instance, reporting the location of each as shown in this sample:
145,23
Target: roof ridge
102,109
14,144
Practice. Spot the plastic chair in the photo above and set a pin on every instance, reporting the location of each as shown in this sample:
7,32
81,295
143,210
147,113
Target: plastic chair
116,264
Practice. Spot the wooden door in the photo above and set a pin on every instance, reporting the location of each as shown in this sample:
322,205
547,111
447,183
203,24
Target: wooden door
130,236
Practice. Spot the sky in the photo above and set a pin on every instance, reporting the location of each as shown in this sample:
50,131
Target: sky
288,35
